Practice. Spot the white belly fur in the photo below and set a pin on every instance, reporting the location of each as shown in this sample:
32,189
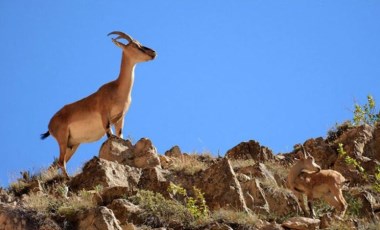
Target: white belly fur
86,130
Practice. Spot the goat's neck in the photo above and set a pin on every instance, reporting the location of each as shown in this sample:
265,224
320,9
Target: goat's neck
294,173
126,76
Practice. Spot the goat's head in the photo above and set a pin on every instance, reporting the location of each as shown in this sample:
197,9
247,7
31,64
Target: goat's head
133,48
308,162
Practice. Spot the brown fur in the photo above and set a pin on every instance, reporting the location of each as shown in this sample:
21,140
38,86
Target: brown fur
317,184
88,119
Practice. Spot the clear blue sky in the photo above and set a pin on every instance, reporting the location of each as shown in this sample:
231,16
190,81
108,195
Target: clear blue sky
278,72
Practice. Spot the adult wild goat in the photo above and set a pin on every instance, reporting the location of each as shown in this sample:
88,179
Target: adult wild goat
306,177
88,119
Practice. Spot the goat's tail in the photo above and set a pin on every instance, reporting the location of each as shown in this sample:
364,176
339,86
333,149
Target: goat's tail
45,135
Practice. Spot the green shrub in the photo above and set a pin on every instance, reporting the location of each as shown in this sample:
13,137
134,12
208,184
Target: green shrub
375,182
366,114
196,205
166,211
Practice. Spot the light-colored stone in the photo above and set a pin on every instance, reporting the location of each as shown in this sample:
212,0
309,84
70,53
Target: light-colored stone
301,223
107,174
98,218
221,187
141,155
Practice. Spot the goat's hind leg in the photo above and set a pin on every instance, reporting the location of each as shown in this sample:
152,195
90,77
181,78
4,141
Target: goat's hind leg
333,201
62,159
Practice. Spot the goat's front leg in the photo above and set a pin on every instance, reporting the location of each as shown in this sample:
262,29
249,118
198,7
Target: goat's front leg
301,201
119,127
310,205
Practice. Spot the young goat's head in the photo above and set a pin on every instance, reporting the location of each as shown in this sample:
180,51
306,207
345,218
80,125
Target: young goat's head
133,48
308,162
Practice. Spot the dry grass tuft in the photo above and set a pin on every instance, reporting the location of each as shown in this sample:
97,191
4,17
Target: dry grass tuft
237,164
189,164
239,217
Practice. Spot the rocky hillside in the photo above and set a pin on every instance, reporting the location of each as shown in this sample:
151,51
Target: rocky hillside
131,186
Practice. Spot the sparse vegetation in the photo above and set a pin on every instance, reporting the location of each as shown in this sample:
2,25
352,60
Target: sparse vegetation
375,182
230,216
366,114
162,211
237,164
189,164
196,205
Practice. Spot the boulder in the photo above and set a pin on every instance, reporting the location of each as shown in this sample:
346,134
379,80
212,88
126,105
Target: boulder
98,218
301,223
324,153
254,195
126,212
175,151
281,201
221,187
250,150
107,174
111,193
258,170
153,179
116,149
19,218
141,155
354,141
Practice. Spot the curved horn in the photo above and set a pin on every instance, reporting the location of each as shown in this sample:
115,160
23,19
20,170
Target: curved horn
121,35
304,151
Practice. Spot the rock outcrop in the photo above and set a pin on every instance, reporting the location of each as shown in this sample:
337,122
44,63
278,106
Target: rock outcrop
250,150
128,187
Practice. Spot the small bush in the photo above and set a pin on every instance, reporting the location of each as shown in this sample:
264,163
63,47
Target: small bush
196,205
366,114
167,212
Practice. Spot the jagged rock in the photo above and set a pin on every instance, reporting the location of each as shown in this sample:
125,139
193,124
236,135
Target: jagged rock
153,179
107,174
141,155
372,150
354,141
175,151
254,195
329,221
145,154
221,187
301,223
23,219
166,162
98,218
111,193
126,212
116,149
250,150
258,170
271,226
368,204
324,154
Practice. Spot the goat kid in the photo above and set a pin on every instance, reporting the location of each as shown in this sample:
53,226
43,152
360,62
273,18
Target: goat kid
88,119
306,177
